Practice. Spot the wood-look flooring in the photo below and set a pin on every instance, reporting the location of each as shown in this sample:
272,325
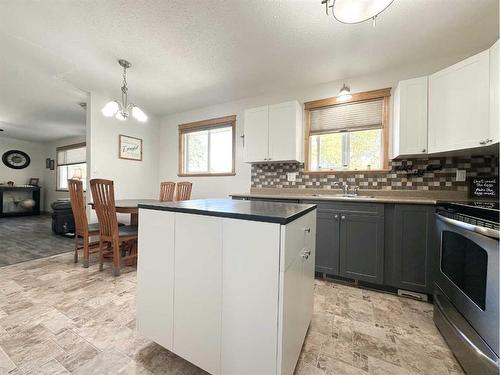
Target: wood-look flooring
58,318
29,237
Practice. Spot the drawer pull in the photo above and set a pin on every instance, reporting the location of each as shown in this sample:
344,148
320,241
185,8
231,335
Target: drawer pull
336,217
343,217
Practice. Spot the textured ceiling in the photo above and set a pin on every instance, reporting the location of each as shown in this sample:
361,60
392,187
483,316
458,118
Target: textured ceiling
187,54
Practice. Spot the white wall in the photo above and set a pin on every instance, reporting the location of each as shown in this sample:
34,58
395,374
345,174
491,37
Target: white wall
51,194
36,152
206,187
132,179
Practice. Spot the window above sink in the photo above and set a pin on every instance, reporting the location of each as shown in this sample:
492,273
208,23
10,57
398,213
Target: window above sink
348,135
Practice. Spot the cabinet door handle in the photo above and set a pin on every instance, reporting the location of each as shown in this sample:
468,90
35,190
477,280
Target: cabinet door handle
336,217
424,150
306,254
343,217
307,230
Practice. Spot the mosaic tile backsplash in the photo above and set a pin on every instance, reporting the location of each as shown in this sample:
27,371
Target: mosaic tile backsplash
410,174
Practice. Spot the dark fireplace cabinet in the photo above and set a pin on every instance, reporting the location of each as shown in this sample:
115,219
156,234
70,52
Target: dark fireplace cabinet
12,196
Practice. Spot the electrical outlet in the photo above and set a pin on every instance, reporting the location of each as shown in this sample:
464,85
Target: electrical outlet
460,175
291,176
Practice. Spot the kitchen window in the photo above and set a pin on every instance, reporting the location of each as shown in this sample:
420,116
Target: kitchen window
71,163
348,135
207,148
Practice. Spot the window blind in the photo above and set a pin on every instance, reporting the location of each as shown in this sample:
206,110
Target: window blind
72,156
347,117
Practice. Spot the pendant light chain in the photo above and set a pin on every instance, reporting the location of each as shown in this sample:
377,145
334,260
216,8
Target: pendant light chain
124,88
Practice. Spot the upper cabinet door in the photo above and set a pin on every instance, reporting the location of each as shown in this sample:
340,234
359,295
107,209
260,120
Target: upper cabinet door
274,133
285,131
256,134
410,117
494,94
459,99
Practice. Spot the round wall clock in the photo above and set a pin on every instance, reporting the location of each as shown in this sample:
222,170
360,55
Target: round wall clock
16,159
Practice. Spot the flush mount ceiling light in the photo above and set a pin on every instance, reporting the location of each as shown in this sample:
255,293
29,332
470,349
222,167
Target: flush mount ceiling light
356,11
123,109
344,93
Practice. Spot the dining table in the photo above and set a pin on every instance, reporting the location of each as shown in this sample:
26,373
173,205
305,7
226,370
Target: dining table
130,206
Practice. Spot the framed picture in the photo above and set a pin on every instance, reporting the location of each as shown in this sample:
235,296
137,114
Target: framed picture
34,181
52,165
130,148
47,163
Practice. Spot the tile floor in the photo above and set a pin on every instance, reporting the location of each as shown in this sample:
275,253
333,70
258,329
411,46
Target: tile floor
29,237
58,318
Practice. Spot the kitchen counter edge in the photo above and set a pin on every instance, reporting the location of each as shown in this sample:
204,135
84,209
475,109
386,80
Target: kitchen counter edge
234,214
331,198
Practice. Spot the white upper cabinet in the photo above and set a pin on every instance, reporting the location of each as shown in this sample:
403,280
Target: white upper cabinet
459,98
274,133
494,94
285,131
257,134
410,118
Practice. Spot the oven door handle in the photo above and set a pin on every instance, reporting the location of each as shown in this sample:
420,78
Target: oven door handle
488,232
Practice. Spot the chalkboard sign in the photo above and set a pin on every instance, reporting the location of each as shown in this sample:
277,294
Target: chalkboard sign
483,187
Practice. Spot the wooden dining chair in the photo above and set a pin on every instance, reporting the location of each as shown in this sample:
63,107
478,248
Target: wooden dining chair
83,230
184,190
167,190
122,241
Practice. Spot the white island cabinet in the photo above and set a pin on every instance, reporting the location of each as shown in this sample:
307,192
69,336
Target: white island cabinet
227,285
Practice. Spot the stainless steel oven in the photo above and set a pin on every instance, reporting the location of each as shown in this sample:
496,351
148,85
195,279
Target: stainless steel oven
466,289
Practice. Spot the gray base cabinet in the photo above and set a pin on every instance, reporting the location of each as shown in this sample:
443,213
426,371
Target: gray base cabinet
350,240
362,247
412,248
327,242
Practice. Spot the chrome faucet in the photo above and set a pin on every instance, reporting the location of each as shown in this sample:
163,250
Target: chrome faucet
345,189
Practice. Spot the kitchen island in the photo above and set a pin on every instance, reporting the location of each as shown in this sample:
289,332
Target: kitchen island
227,285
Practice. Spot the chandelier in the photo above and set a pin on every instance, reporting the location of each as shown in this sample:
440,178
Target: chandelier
356,11
123,109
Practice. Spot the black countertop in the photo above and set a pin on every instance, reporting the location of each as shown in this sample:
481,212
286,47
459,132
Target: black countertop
269,212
